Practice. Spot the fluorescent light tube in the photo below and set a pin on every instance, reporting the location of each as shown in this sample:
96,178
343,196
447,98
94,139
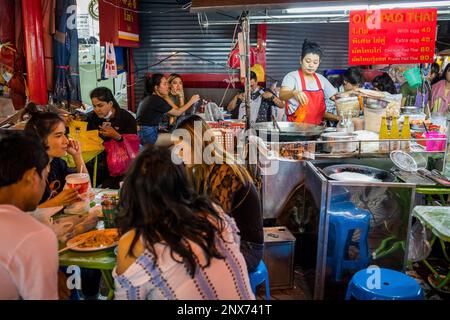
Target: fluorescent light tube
424,4
327,8
324,8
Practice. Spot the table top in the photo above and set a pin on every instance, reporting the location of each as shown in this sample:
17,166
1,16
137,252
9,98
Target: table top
102,259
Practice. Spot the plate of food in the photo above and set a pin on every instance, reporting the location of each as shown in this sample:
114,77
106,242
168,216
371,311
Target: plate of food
94,240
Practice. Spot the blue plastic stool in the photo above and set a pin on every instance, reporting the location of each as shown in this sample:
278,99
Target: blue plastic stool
345,219
393,285
259,276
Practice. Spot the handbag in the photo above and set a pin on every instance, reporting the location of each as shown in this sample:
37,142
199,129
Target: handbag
120,154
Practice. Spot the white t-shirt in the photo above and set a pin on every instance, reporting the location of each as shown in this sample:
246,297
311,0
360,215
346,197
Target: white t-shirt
293,82
28,257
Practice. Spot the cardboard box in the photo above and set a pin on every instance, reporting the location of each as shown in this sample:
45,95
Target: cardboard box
279,248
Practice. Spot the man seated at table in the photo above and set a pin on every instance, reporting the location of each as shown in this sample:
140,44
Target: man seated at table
28,249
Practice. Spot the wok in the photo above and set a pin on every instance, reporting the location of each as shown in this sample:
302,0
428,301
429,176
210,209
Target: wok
289,131
382,175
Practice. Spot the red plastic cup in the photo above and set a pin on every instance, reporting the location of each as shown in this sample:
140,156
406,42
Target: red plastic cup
81,180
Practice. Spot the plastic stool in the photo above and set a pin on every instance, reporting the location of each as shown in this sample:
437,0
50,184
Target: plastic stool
345,218
259,276
393,285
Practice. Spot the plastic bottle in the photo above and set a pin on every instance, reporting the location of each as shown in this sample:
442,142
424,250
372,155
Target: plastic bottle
350,127
395,135
384,136
406,134
341,126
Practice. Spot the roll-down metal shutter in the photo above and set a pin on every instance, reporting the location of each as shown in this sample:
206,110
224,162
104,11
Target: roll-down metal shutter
169,29
284,46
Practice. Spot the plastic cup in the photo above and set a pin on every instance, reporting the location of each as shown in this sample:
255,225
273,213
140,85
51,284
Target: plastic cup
81,180
435,145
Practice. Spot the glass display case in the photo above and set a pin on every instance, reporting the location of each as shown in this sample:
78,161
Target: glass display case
350,225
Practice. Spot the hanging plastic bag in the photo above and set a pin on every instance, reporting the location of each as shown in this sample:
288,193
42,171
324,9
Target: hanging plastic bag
120,154
419,242
110,61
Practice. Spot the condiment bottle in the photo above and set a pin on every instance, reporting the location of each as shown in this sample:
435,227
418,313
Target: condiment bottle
394,136
384,136
406,134
341,126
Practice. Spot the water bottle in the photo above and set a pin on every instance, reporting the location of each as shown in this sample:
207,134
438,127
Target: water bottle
341,126
349,126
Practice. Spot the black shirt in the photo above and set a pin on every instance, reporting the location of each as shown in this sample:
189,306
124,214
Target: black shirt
239,200
151,110
123,122
56,178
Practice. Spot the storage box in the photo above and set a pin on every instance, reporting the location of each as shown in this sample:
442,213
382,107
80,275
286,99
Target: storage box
279,248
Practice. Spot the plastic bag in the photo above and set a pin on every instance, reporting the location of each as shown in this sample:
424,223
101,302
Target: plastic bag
70,226
110,61
212,112
419,246
120,154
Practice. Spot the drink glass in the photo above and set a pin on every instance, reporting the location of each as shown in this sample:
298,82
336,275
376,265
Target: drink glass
81,180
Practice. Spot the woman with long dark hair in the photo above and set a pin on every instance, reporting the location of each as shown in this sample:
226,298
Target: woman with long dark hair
440,94
175,244
155,105
51,130
226,182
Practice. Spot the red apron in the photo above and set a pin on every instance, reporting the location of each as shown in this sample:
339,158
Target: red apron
314,110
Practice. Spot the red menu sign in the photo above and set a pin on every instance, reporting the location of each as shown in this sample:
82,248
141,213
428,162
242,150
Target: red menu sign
119,23
400,36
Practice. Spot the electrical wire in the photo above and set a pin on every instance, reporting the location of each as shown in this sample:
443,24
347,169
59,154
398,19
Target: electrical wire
184,7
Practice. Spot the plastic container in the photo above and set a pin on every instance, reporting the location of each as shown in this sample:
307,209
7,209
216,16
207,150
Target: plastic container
372,118
413,77
435,145
348,104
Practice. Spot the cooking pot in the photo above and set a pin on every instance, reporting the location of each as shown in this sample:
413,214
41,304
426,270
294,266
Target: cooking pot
334,146
288,131
411,109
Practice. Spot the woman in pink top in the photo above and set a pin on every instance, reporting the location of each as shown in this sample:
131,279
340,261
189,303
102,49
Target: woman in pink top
440,93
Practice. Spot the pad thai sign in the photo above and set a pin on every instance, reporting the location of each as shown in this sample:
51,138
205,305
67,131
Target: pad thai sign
400,36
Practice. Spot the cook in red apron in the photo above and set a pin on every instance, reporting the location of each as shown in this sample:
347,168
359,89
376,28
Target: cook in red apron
314,110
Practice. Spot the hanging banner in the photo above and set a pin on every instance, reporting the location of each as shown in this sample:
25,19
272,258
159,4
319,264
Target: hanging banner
399,36
65,48
119,22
